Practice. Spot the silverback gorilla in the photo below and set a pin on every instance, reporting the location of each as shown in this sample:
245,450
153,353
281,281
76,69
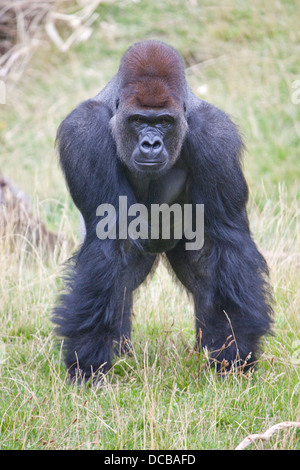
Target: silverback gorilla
146,136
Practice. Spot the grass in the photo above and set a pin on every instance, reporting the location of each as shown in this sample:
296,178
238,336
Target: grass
163,396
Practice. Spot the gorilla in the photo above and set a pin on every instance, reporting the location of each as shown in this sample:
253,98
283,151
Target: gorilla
147,138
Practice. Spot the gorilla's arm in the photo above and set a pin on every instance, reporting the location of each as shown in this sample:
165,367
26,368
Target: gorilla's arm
94,312
212,151
89,160
235,272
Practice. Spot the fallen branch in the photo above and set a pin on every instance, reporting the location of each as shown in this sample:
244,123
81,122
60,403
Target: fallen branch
80,24
21,23
266,436
19,221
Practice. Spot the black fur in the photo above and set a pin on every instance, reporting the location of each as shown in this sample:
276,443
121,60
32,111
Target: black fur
228,277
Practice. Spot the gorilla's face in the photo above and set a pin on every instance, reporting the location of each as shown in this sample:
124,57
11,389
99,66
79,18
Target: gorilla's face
148,141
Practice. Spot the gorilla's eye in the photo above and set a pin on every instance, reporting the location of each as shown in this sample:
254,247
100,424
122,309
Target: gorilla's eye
165,121
137,119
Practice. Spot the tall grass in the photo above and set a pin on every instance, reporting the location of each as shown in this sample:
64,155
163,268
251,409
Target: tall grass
162,396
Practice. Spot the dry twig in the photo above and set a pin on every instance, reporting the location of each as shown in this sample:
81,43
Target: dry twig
20,21
79,22
266,436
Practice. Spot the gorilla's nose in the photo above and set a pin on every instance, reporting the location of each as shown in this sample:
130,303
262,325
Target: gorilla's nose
151,146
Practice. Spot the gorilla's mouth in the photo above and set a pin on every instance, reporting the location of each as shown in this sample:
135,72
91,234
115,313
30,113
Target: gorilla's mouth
151,168
150,163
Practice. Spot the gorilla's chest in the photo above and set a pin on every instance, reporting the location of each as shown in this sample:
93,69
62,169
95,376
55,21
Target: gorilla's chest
164,199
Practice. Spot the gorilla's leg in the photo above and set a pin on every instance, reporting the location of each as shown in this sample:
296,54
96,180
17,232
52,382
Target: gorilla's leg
231,299
94,315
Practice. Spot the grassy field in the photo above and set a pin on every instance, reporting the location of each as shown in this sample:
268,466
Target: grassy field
243,57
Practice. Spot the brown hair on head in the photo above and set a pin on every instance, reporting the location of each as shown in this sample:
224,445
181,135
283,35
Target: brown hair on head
152,75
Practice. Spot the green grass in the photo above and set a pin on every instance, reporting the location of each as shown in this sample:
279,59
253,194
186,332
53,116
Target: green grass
163,396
